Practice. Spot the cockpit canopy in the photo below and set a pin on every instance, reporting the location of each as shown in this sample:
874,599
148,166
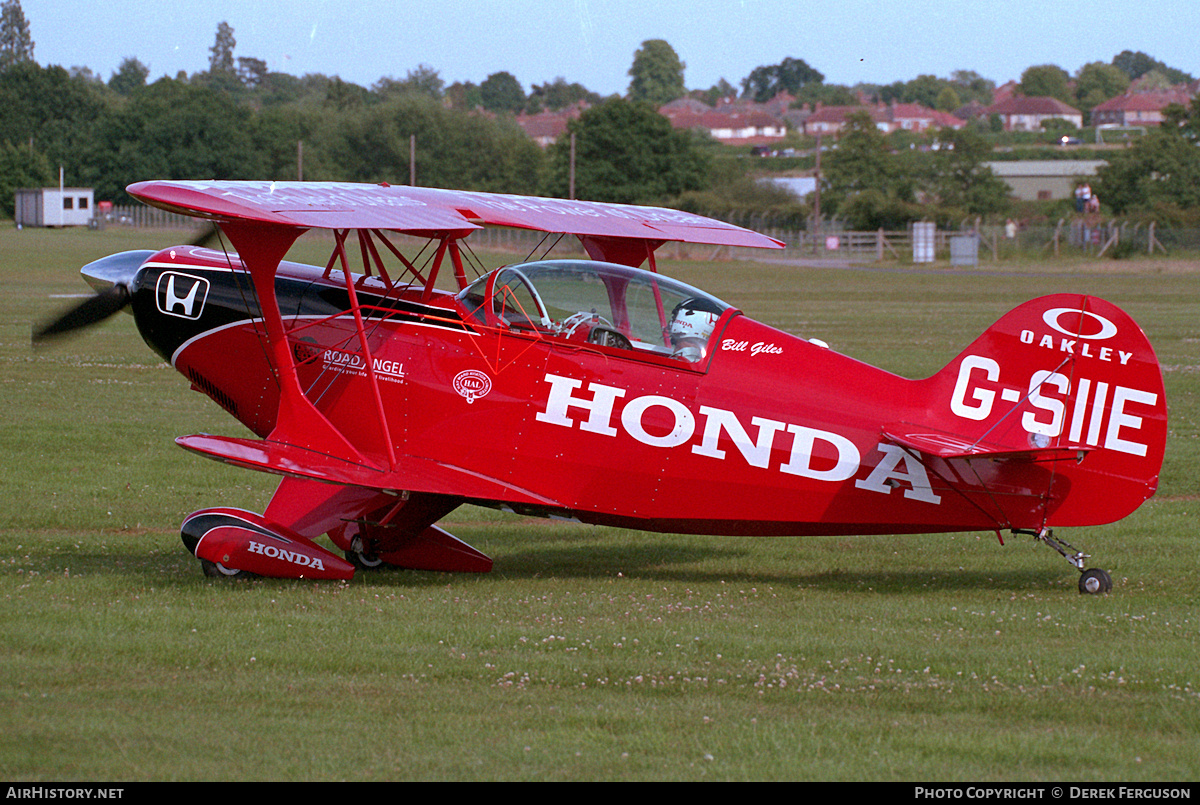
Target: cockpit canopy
600,303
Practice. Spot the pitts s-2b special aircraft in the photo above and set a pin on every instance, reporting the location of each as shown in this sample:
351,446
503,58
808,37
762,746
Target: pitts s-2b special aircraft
596,390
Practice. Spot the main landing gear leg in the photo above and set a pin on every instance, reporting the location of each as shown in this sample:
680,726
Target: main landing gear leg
1092,581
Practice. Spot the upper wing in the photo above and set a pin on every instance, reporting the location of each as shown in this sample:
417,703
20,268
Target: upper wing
334,205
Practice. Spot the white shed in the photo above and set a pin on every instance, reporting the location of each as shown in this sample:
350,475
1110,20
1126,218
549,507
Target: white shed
54,206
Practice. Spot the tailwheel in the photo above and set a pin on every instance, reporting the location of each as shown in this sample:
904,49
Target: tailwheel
1094,582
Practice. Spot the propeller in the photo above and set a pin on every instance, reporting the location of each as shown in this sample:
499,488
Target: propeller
112,278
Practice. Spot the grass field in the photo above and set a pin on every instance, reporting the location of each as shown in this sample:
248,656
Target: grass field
588,653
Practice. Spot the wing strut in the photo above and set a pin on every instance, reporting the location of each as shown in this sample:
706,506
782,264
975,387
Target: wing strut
340,236
298,422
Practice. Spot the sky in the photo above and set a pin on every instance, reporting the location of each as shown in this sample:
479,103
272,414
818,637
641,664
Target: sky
592,42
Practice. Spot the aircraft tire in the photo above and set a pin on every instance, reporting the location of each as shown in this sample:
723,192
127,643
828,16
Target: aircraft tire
1094,582
362,561
216,571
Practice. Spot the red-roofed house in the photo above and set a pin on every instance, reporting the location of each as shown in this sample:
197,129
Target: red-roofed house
832,119
1138,108
1022,113
734,128
887,118
545,128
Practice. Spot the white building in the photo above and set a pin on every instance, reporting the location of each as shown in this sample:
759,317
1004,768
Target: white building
54,206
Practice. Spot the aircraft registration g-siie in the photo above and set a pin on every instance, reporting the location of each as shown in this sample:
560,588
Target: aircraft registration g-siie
596,389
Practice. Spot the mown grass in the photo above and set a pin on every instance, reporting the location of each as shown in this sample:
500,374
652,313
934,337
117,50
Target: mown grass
588,653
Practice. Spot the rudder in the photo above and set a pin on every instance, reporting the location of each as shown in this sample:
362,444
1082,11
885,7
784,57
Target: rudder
1069,381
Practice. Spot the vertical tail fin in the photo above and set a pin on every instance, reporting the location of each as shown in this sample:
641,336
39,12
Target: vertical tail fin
1069,382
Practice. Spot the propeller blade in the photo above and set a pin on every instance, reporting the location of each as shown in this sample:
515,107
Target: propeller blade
112,278
206,236
91,311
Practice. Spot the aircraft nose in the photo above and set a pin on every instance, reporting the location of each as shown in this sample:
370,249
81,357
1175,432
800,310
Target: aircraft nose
116,269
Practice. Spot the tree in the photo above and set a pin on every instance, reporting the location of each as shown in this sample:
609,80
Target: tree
717,92
865,182
172,130
16,44
251,71
925,90
501,92
129,76
454,149
423,80
791,76
626,152
862,160
20,167
53,111
971,86
947,100
827,94
1160,170
657,74
961,180
1096,83
220,58
558,94
1136,65
1046,81
464,95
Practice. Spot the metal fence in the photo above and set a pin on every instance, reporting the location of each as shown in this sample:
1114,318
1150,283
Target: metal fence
967,245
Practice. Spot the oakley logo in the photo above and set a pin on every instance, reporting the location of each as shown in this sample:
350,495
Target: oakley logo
181,295
1080,323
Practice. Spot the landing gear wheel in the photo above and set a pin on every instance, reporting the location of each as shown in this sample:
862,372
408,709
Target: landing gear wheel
363,561
215,570
1094,582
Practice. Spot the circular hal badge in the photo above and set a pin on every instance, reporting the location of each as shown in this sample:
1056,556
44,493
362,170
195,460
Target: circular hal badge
472,384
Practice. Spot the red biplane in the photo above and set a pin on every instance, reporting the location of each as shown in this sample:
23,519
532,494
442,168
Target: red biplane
596,390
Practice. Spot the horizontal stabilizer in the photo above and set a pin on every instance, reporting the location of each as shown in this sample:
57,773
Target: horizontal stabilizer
948,446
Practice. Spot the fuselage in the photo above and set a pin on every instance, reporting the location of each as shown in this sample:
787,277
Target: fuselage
759,433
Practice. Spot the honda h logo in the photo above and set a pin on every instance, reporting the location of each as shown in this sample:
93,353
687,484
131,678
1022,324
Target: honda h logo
181,295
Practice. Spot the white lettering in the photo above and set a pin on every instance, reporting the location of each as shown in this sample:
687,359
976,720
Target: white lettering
1051,405
680,431
914,474
599,408
801,459
982,397
757,454
292,557
1119,419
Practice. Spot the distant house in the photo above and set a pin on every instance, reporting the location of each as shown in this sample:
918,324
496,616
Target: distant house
832,119
54,206
917,118
886,117
545,128
1138,108
1022,113
731,122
